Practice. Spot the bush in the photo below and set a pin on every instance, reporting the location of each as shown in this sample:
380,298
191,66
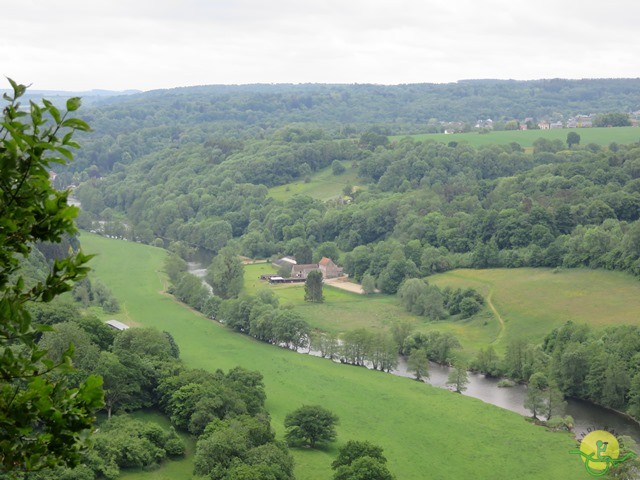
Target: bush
337,168
469,307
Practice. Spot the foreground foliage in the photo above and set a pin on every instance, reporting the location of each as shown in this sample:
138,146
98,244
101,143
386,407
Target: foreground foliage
43,421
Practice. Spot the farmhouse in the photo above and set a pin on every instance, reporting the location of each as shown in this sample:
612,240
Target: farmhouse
325,266
301,271
328,268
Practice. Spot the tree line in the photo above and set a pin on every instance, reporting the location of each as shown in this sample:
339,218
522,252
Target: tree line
575,361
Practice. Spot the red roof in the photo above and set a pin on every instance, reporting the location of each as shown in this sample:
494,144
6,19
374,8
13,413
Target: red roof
325,261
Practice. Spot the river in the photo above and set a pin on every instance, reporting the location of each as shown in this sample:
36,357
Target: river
586,416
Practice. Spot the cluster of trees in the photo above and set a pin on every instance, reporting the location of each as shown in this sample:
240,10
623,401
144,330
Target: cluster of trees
226,413
141,369
439,346
361,460
575,361
359,347
422,299
261,317
87,292
380,350
121,442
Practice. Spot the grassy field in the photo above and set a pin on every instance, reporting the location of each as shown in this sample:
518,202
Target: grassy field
521,303
599,136
341,310
426,432
324,185
532,302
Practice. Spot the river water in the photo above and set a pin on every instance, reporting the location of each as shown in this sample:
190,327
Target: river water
587,416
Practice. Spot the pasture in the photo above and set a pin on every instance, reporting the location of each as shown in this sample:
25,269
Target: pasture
341,310
599,136
532,302
323,184
426,432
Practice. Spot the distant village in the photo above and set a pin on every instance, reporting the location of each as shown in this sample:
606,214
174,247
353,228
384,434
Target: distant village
486,125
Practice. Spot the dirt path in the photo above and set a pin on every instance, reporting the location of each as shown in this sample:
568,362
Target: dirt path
344,284
498,316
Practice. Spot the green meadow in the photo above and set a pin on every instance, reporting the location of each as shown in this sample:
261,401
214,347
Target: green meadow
426,432
521,303
599,136
341,310
323,184
534,301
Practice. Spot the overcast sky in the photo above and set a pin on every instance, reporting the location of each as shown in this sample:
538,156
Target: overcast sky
148,44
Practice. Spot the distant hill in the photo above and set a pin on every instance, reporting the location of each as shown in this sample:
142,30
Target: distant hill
59,97
128,126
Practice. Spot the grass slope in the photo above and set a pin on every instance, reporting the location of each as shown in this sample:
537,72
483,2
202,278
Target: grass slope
426,432
324,185
599,136
532,302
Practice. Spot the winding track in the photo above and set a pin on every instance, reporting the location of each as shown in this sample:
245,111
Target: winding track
498,316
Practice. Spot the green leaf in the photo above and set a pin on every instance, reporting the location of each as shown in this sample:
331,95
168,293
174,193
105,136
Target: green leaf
73,104
65,152
77,124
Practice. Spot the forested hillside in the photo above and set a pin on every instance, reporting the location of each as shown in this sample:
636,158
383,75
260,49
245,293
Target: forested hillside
128,127
428,207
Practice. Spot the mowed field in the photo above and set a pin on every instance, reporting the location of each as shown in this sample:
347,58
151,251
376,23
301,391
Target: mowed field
599,136
426,432
324,185
532,302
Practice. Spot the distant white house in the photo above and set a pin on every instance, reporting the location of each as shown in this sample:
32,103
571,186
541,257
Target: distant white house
117,325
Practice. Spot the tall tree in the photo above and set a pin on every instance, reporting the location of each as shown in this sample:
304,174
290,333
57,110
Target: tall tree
354,449
313,287
310,425
43,422
418,363
458,376
226,274
572,139
535,400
